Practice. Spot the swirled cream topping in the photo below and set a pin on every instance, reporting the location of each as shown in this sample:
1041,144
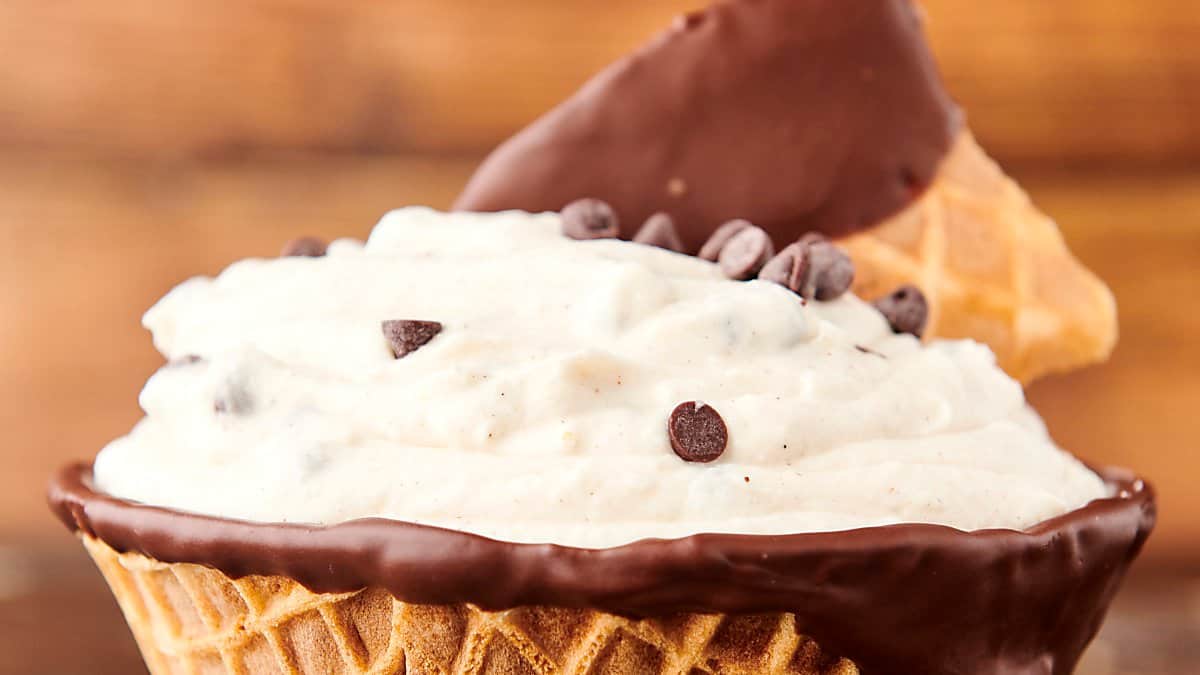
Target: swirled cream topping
539,412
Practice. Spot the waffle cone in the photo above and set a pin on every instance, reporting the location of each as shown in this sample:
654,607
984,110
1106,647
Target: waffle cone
192,619
993,267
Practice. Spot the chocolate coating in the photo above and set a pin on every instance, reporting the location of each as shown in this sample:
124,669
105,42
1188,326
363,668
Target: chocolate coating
797,115
901,600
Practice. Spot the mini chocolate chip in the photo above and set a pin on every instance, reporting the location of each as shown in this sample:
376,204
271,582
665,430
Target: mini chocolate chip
906,310
830,271
789,268
407,336
868,350
306,247
697,432
745,253
711,249
589,219
812,267
660,231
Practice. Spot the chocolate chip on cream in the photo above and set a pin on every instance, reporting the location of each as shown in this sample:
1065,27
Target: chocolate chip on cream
905,309
712,247
406,336
745,253
590,219
813,267
697,432
659,230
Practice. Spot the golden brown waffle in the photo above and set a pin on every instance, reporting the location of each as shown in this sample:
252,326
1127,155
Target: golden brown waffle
192,619
993,267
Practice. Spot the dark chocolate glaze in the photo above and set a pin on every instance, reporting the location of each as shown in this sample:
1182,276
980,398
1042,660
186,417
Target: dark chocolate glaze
797,115
896,600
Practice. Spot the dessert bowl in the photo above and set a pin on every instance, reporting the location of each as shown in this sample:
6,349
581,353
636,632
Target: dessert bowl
460,447
206,594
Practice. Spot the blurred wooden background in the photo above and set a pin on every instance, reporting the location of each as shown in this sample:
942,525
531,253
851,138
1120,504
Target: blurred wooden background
143,141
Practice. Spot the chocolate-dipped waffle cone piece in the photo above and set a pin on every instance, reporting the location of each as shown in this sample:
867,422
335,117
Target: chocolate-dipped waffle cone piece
817,117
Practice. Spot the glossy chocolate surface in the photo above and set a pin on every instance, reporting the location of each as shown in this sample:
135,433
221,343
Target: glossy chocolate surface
896,600
798,115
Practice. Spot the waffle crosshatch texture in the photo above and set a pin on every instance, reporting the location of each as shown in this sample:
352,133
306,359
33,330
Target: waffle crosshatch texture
193,619
993,267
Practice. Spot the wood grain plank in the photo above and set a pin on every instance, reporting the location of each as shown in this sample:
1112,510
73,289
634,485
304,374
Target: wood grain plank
1074,80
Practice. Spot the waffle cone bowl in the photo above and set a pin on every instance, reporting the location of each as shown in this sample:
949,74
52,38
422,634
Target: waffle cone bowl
211,595
194,619
993,267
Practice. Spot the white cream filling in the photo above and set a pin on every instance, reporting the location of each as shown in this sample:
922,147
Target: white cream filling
539,413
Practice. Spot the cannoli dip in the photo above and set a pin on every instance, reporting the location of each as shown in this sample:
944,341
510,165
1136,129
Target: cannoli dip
486,373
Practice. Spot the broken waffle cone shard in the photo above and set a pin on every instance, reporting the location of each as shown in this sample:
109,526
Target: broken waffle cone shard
993,267
193,619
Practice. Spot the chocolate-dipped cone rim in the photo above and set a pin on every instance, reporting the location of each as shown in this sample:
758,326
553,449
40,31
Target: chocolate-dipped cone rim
909,598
